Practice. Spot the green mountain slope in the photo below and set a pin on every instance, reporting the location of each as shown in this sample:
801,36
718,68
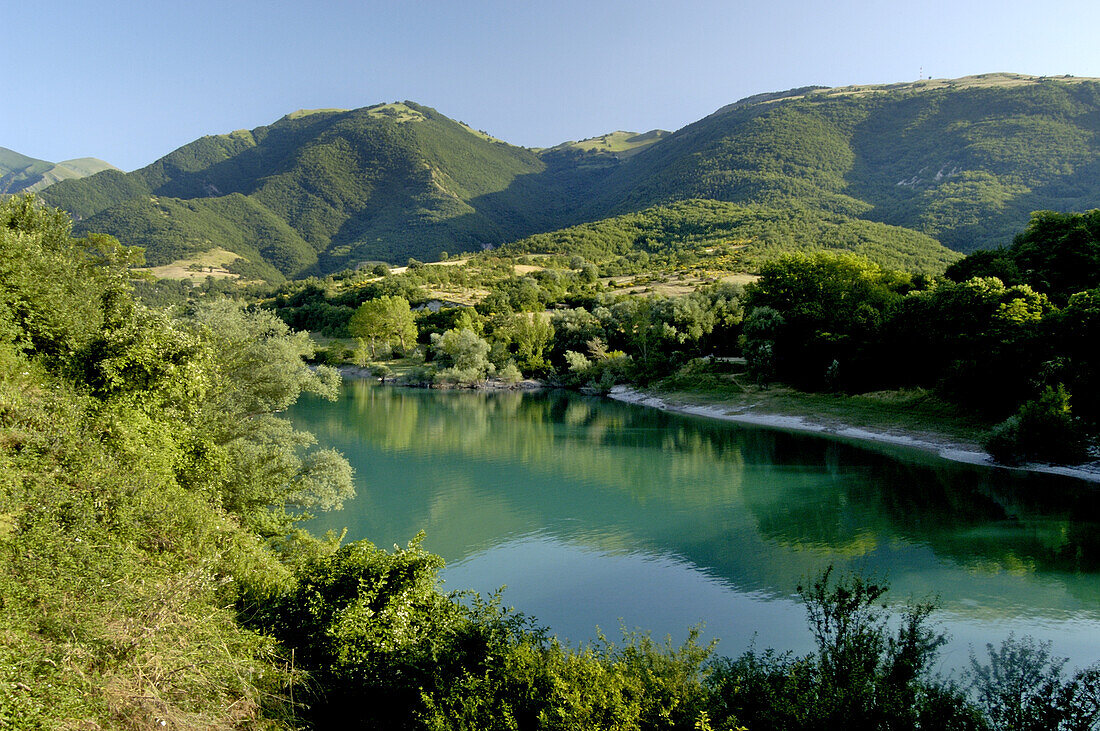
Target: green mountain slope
964,161
750,233
19,173
384,182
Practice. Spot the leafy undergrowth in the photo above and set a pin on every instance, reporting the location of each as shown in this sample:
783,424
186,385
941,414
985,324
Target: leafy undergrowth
116,587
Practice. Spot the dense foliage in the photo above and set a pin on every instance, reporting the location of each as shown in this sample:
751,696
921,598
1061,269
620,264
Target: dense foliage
152,574
1057,254
837,323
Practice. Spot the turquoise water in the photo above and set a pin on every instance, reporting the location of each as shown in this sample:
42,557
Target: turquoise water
597,513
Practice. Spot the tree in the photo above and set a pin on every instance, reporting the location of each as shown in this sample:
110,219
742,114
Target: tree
1042,430
387,320
266,471
1058,254
56,289
832,307
525,338
466,355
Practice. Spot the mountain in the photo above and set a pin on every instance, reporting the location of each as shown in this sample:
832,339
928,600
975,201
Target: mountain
333,187
19,173
961,162
964,161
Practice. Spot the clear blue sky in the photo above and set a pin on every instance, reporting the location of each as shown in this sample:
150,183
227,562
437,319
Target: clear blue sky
130,81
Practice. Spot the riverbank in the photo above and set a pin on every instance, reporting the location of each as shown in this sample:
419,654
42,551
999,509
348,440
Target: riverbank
952,447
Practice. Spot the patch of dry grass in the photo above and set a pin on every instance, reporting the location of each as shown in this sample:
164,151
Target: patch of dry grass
208,264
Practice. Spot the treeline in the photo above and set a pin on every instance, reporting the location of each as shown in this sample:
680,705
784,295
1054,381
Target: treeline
1021,347
559,322
1007,335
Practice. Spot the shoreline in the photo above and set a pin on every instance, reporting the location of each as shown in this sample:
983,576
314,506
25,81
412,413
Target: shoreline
943,447
359,373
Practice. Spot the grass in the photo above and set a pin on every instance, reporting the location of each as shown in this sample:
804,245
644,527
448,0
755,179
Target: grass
397,112
207,264
308,112
482,134
619,143
914,412
674,284
980,81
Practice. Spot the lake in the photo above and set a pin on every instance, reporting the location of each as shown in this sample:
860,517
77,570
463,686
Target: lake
599,513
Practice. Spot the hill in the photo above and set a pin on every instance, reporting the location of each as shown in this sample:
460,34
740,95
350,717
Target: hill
337,187
19,173
740,237
962,162
617,144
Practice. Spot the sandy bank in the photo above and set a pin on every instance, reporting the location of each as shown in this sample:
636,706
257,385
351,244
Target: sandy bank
945,448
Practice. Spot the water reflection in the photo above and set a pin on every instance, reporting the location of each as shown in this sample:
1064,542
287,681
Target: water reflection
519,488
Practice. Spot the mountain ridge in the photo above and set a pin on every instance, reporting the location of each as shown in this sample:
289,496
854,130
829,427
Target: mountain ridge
20,173
963,161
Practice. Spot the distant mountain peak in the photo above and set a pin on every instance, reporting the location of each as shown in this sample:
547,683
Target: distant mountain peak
22,174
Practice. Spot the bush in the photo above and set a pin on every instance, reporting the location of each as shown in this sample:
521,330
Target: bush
509,374
1043,430
862,676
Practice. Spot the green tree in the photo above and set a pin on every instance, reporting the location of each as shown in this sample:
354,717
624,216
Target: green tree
832,308
269,473
465,355
1043,430
387,320
526,339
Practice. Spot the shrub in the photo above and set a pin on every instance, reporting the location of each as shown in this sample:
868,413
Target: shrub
509,374
1042,430
862,676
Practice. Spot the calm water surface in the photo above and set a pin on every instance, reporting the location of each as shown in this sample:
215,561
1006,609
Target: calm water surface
597,513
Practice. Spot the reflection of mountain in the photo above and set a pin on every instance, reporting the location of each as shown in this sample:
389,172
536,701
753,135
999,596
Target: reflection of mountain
761,509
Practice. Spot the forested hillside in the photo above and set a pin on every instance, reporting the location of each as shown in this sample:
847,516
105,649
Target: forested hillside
962,162
335,188
745,235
